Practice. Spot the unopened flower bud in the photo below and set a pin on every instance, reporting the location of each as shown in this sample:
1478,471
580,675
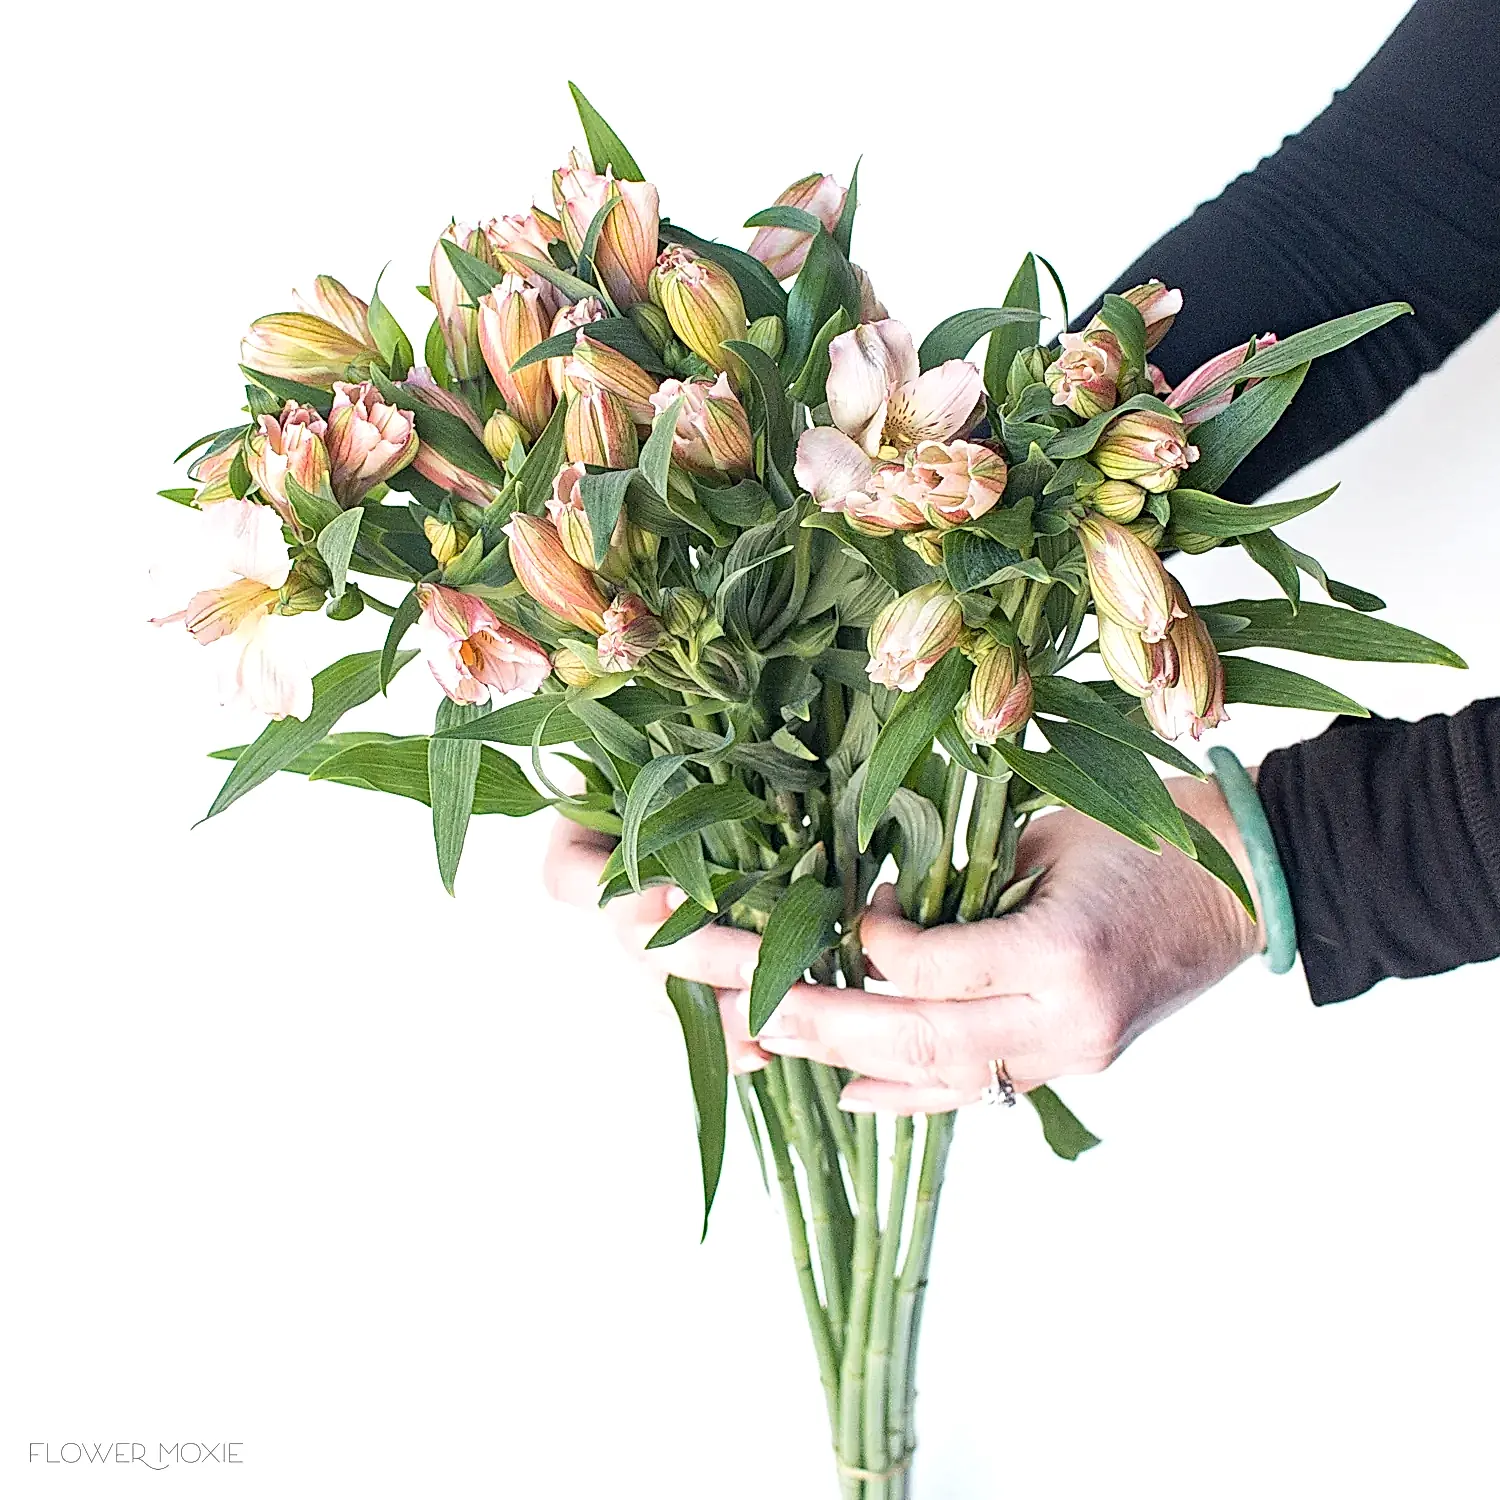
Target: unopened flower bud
1127,578
1209,373
701,300
288,444
597,363
335,303
1085,376
683,612
456,317
782,251
304,591
571,667
627,240
559,584
1158,306
348,604
1192,542
501,434
1135,665
1149,530
598,430
911,633
444,539
301,346
712,435
512,322
652,322
959,481
1146,448
1118,499
631,632
1194,700
1000,696
574,315
368,441
768,334
871,308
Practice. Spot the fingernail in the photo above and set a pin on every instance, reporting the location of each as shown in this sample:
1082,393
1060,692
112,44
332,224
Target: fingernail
856,1105
675,898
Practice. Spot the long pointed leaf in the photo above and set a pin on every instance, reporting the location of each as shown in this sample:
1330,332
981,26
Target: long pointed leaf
697,1007
799,929
606,149
452,771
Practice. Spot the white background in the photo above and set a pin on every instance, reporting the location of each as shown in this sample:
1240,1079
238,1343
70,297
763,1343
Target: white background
399,1191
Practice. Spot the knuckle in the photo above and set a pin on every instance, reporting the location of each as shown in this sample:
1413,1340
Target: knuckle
916,1042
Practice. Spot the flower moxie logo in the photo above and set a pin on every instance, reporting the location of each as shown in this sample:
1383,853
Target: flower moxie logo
152,1455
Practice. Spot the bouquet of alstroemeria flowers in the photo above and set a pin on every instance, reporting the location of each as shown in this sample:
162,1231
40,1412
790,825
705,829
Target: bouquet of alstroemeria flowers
795,588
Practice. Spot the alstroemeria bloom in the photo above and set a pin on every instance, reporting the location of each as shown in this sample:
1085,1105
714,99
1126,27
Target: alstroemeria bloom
712,435
431,464
960,480
512,322
574,315
291,443
368,441
457,320
1194,699
702,301
597,428
1146,448
883,405
627,242
1127,578
1138,666
302,346
1000,696
631,632
335,303
1085,377
526,234
782,251
1206,374
260,666
911,633
559,584
472,653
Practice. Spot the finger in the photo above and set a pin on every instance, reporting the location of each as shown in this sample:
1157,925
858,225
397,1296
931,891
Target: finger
933,1043
866,1095
744,1055
960,960
714,955
575,857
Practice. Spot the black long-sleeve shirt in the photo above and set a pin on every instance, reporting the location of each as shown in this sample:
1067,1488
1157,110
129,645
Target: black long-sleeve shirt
1389,832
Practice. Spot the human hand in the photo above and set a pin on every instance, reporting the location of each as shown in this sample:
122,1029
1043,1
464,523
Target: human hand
715,955
1112,939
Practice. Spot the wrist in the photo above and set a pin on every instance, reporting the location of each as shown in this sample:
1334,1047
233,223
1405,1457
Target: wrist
1205,801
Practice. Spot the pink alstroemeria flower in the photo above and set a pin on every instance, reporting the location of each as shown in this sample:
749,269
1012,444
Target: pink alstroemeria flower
471,652
1206,374
260,667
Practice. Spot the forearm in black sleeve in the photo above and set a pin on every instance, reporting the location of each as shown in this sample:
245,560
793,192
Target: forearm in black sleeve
1392,193
1389,834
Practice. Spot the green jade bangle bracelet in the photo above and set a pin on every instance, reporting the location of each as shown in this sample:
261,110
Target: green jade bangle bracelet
1265,864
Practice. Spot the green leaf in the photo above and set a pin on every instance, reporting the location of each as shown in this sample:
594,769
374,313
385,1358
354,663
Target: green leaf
907,734
955,336
336,689
1068,1136
399,767
315,755
974,561
644,792
1066,699
766,382
1075,442
1059,777
478,278
1010,338
619,333
603,496
590,246
1344,593
452,771
1326,630
291,390
395,348
405,617
825,283
606,149
1196,511
1126,775
799,930
1273,554
313,512
181,495
1310,344
780,216
1225,440
684,862
516,723
621,738
336,545
1214,858
1249,681
534,479
1124,320
843,231
697,808
811,385
697,1007
656,452
691,917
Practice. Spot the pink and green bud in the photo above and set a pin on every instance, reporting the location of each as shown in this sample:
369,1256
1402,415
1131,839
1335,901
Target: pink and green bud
782,251
569,518
1128,581
1137,666
631,632
598,429
472,653
1194,700
288,444
911,633
712,435
456,317
1158,306
368,441
627,242
501,434
1146,448
571,667
211,472
302,346
1000,696
1084,378
574,315
512,323
702,302
335,303
561,586
597,363
961,481
1117,499
527,234
1206,375
449,476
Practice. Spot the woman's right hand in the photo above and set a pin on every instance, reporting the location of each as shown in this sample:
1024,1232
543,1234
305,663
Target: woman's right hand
715,955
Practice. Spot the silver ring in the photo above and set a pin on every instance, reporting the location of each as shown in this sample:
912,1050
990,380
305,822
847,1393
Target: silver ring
999,1090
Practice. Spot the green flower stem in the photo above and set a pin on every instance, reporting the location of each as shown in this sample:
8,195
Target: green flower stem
834,716
826,1081
818,1162
771,1091
986,821
930,906
879,1451
862,1286
912,1285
